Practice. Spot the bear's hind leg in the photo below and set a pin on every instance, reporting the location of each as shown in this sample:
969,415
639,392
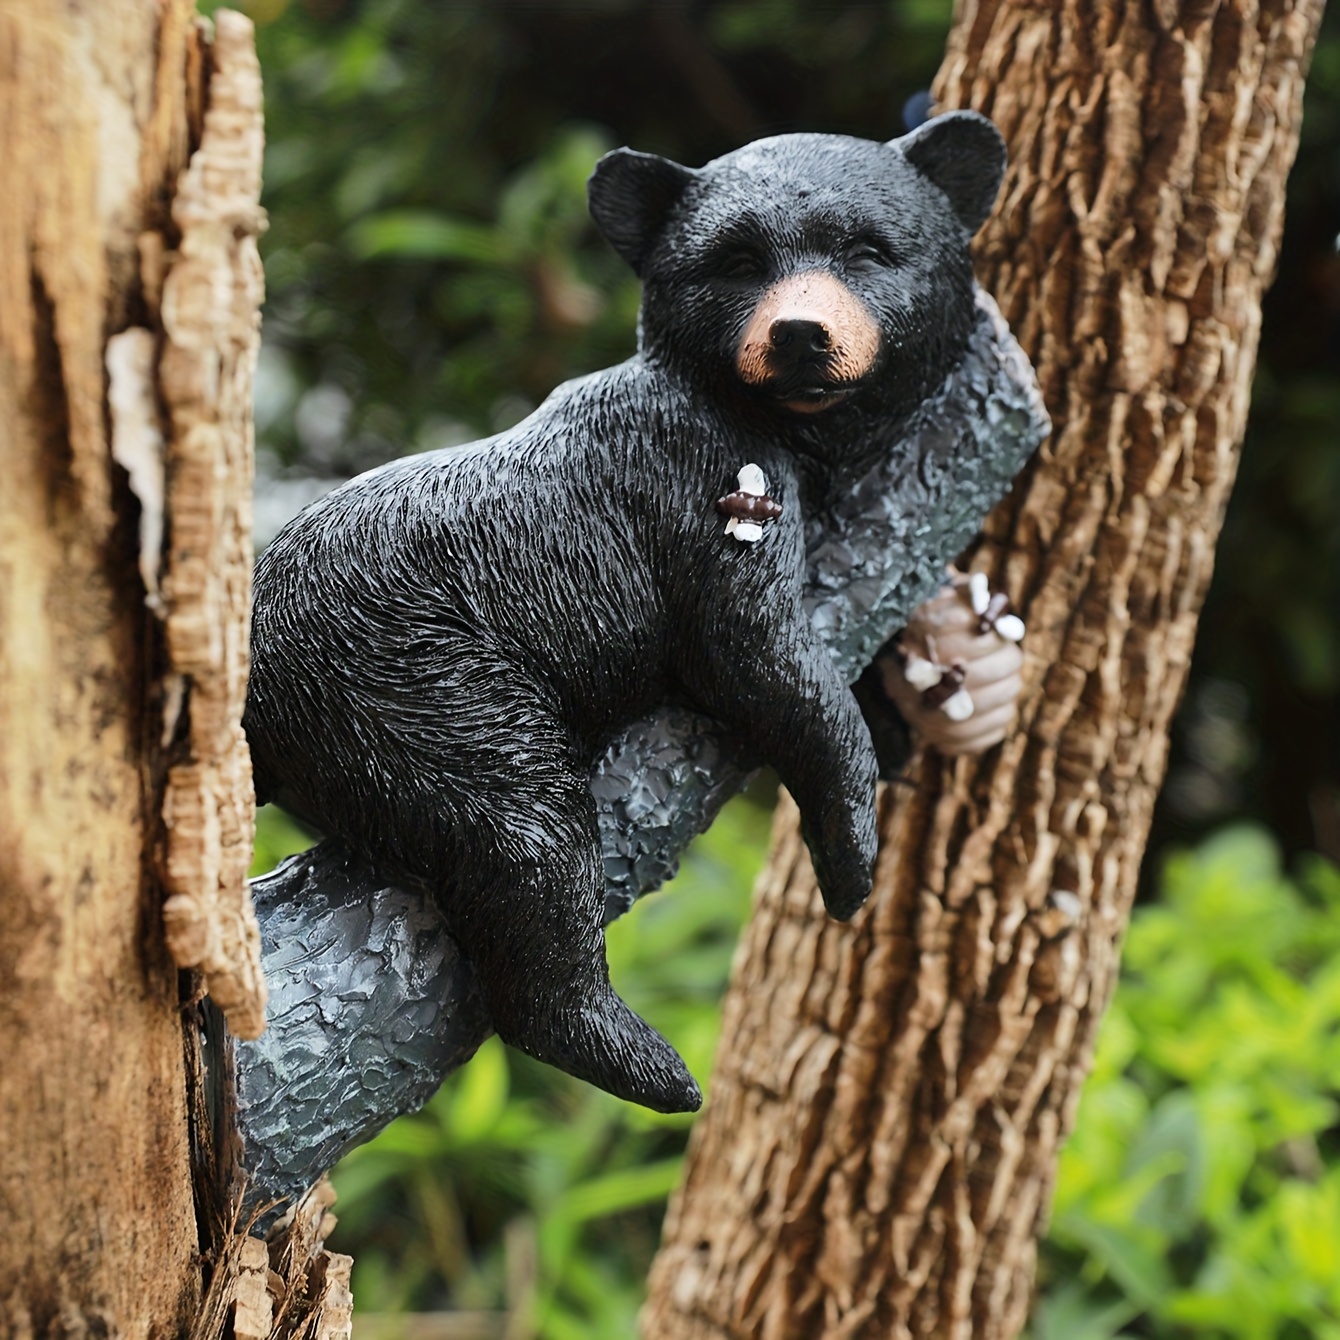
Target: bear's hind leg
532,927
465,777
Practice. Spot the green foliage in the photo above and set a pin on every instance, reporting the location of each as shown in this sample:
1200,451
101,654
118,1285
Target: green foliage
278,835
517,1187
1200,1192
431,269
436,290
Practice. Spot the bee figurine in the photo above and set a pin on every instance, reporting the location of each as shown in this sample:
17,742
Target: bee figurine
749,506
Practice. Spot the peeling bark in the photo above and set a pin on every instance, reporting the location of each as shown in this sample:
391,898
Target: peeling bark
210,310
877,1156
253,1303
283,1287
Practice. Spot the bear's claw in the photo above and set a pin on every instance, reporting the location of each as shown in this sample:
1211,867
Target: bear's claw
844,872
606,1044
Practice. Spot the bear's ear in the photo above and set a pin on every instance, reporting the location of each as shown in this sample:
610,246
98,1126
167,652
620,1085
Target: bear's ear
964,155
629,195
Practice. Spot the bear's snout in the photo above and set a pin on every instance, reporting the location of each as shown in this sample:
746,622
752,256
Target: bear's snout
809,342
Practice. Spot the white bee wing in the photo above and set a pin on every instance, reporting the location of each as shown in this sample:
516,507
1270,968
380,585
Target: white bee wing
919,672
753,480
960,707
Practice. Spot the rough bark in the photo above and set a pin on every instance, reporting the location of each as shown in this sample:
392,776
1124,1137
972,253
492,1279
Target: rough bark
877,1155
210,316
95,1191
129,295
287,1287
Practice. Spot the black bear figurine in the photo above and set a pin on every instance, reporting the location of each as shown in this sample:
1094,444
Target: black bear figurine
443,647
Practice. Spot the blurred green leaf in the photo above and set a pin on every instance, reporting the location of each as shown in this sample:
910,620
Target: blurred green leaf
481,1096
615,1192
1198,1195
278,836
420,234
1070,1313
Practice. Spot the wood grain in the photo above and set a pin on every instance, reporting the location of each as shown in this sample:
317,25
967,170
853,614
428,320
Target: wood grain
98,1233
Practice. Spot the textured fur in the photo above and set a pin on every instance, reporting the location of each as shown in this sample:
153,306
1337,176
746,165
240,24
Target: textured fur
443,647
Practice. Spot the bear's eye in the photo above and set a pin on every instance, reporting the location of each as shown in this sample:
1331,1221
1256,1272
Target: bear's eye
866,256
740,263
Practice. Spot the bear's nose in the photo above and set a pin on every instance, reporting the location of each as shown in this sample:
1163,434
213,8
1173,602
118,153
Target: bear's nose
800,337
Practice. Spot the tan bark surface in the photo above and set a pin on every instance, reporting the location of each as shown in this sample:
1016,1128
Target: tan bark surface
210,310
98,1227
100,105
285,1287
877,1155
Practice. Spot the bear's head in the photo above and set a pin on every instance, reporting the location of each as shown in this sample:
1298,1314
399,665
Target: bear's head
804,272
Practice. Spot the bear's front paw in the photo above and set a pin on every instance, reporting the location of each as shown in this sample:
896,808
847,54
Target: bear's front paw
955,676
844,871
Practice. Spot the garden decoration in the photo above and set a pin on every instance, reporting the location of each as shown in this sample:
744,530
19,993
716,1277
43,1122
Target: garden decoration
512,680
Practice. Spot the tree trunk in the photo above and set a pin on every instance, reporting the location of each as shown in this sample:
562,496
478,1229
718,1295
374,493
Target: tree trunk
878,1151
129,296
95,1188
